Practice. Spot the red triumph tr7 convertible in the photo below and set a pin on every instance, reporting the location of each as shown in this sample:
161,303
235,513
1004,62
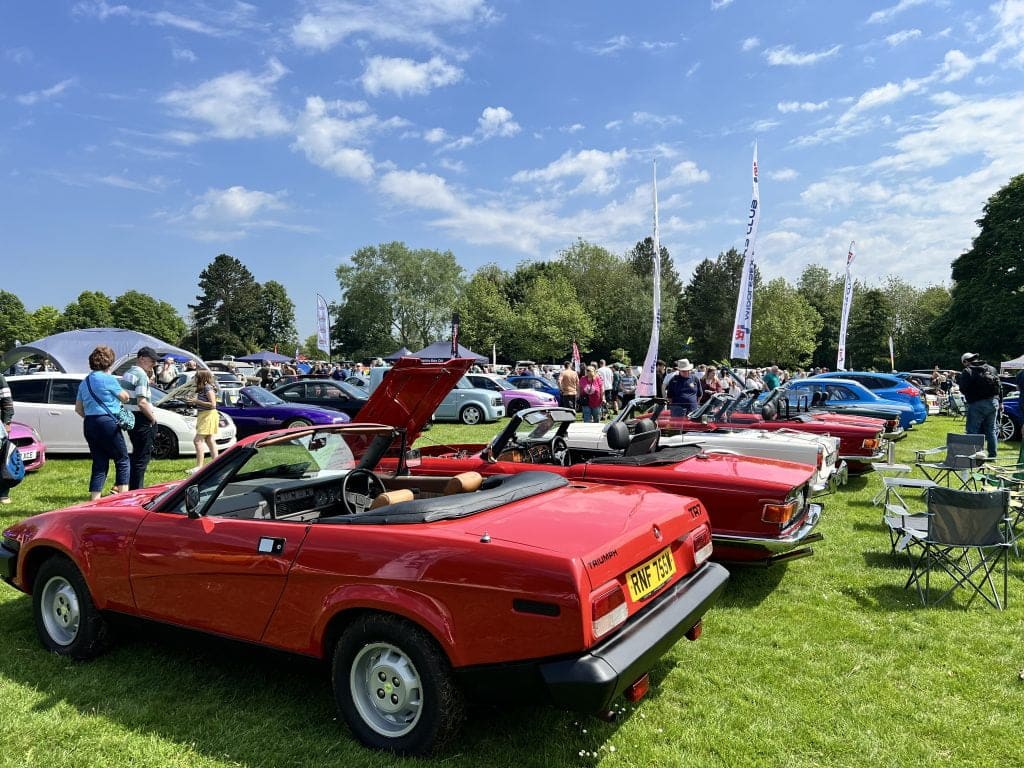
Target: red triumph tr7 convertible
423,592
759,508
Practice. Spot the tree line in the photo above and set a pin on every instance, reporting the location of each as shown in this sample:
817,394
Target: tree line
392,295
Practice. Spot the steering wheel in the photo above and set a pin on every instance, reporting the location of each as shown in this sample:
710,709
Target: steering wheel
560,451
359,488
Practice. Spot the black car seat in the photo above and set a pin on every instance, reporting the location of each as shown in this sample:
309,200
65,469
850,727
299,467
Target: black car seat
644,439
618,436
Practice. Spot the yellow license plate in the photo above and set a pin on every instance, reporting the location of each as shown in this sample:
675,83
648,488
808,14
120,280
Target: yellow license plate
644,580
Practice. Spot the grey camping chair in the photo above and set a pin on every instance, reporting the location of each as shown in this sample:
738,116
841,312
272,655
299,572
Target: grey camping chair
966,539
964,454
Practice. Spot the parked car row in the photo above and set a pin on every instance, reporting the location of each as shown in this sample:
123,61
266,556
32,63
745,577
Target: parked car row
556,562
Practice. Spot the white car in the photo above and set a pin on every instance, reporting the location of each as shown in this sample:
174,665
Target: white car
820,451
46,402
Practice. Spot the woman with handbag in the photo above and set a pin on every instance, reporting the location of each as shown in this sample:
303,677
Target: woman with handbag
100,400
207,420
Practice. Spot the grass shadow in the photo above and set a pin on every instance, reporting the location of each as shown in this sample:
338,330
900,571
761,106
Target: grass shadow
263,708
749,585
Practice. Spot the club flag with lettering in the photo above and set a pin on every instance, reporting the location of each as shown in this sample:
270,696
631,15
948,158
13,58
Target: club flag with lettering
575,356
323,325
847,301
646,386
740,346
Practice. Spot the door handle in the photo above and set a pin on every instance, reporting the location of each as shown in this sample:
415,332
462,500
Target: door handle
270,546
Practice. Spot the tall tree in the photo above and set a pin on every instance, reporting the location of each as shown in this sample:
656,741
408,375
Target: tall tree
550,318
641,261
988,281
277,321
867,338
141,312
785,326
824,292
420,286
227,310
709,305
90,310
486,315
15,322
45,321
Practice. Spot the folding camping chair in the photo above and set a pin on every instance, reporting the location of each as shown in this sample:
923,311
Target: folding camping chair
964,454
966,538
955,406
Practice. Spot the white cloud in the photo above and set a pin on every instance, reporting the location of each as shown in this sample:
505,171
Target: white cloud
103,11
595,168
234,204
20,55
955,66
782,174
614,45
767,124
718,4
34,97
692,70
802,106
235,105
333,21
887,14
183,54
405,76
685,173
903,36
435,135
574,128
659,121
750,44
497,121
331,136
613,125
784,55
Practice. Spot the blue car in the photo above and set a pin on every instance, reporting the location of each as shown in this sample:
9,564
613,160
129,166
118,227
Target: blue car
531,381
1011,420
841,392
886,385
254,409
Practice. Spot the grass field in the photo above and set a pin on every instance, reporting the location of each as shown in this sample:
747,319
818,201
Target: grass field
826,661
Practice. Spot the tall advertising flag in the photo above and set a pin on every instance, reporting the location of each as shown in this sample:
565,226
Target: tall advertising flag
740,348
323,326
455,334
646,385
847,301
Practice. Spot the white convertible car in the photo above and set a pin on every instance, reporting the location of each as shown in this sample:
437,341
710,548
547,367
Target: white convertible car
819,451
46,401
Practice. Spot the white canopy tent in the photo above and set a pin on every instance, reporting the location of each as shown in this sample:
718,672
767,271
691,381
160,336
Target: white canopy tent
1012,365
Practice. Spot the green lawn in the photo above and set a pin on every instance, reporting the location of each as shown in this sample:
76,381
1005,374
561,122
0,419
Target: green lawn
824,661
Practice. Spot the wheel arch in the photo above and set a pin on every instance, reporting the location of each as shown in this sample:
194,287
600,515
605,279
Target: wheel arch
34,559
424,612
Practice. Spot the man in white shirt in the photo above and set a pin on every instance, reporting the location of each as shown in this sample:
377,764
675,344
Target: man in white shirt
607,379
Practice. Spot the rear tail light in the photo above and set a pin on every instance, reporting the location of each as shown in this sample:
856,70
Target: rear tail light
608,610
779,513
870,443
702,545
892,424
821,457
912,391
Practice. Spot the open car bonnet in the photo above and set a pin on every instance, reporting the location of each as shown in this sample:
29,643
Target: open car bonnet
410,392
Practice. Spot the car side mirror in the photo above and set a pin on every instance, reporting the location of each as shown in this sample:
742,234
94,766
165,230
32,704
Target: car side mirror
192,501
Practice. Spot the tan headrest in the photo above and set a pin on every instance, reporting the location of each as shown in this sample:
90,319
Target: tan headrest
392,497
465,482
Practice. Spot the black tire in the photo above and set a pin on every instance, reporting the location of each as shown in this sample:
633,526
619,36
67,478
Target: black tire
380,657
165,443
516,406
66,618
471,414
297,423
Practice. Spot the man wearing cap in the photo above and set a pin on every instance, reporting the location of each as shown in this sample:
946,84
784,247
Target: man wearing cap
979,384
683,390
136,381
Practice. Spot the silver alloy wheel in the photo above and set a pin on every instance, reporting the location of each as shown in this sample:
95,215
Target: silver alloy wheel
61,612
386,689
1005,427
471,415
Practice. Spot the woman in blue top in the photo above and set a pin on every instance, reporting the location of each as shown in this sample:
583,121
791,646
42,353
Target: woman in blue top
100,397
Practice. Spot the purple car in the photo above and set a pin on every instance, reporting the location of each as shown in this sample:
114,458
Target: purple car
30,445
512,398
258,410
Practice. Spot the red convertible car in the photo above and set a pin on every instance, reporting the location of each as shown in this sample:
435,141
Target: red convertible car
423,591
760,509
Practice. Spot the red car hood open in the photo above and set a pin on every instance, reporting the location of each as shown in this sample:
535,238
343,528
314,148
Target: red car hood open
410,393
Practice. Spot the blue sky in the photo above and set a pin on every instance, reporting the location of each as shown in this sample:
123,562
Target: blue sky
141,139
